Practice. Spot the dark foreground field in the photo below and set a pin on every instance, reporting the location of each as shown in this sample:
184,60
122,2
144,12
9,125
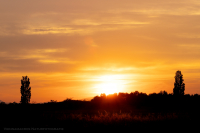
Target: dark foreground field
95,116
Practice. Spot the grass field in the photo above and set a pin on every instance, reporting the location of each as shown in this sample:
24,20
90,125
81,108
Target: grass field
100,119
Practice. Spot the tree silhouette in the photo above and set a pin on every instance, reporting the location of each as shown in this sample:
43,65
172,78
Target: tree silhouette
25,90
163,93
179,86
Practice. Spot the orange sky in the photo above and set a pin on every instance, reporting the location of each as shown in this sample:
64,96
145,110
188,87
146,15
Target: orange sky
81,48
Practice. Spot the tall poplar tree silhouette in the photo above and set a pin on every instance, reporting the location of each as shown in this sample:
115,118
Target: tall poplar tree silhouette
25,90
179,86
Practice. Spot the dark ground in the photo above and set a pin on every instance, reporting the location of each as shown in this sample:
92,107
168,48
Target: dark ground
103,115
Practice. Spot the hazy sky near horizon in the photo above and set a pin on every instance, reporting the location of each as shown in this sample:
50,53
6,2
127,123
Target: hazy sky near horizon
72,49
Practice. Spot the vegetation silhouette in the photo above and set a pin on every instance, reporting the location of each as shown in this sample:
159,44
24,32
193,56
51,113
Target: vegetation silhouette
25,90
126,111
179,86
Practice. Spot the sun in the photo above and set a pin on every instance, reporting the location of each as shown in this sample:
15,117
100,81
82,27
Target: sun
110,84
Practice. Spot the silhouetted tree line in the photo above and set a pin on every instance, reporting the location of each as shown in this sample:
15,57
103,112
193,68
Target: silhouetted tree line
159,101
156,100
139,99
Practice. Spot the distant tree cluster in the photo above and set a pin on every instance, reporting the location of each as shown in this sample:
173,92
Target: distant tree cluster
161,100
126,96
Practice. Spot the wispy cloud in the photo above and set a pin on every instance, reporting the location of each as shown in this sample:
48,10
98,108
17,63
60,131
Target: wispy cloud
190,45
83,27
189,35
40,55
51,30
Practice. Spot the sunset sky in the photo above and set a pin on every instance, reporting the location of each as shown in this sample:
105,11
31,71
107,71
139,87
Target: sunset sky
81,48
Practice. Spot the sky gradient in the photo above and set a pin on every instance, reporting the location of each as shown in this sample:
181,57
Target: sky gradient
77,49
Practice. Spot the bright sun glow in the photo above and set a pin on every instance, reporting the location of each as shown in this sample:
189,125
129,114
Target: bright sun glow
110,84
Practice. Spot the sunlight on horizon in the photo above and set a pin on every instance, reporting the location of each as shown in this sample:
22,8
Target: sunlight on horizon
110,84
